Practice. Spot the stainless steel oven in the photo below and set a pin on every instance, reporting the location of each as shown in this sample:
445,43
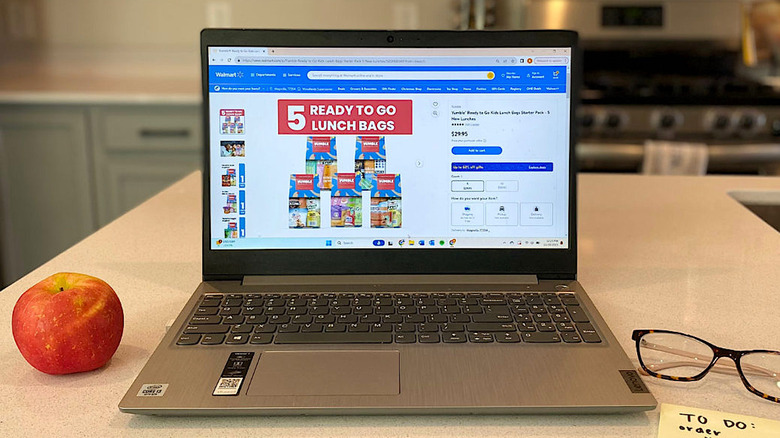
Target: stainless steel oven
669,70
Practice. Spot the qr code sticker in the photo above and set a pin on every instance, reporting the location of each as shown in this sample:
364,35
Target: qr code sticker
152,390
228,386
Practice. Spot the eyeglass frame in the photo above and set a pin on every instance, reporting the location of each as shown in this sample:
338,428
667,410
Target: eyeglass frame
718,352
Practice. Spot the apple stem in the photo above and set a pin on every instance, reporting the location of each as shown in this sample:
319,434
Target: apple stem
62,289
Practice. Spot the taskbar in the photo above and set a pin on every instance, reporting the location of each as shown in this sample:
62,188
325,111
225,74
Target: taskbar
391,243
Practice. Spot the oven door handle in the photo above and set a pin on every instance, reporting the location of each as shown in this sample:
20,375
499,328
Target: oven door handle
758,153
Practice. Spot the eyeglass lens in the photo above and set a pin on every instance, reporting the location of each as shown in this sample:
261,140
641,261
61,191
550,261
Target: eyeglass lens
674,355
762,371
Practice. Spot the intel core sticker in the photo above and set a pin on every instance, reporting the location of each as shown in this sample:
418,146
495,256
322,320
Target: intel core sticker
234,373
152,390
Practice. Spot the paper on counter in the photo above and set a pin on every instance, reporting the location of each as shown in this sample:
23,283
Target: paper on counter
684,422
675,158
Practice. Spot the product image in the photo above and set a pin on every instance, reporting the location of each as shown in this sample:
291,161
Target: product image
231,121
231,232
232,148
304,201
230,205
229,177
346,202
321,159
370,158
386,201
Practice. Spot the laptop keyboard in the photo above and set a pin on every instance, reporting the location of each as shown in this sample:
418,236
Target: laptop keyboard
381,318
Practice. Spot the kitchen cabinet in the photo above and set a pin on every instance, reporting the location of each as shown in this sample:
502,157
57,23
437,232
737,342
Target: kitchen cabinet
140,150
46,187
67,170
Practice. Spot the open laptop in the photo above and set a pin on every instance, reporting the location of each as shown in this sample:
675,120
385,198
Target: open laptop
389,226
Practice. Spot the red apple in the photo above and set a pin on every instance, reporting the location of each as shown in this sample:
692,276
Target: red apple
68,323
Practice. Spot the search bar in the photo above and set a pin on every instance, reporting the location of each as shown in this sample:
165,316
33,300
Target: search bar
402,75
542,60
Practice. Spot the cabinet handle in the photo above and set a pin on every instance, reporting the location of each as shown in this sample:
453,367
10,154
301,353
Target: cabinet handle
150,133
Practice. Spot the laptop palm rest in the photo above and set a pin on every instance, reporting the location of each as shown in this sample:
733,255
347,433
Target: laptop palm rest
326,373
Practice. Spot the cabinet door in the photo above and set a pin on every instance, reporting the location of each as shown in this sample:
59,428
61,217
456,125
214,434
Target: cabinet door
45,185
131,181
140,150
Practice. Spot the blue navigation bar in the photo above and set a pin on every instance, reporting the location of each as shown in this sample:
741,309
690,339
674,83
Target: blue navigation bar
502,167
387,79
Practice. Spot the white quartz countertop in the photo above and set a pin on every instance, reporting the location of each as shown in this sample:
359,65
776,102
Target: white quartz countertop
673,253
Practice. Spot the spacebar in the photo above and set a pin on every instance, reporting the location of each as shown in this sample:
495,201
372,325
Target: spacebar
333,338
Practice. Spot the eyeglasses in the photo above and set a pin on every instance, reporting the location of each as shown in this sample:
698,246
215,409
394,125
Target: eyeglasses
684,358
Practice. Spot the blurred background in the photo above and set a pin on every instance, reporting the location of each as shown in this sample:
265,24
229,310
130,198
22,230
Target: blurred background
100,100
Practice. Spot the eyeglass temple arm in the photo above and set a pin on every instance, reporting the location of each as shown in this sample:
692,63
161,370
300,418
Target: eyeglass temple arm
723,368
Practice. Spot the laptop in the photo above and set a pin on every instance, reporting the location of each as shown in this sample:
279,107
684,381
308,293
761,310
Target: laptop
389,227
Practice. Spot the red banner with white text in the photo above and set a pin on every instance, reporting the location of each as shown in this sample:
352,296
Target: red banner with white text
335,117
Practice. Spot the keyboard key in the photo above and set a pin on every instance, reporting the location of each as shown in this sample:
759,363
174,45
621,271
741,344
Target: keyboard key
545,327
230,311
336,327
428,338
415,319
253,310
265,328
428,327
212,339
523,318
473,309
206,319
278,319
325,319
206,310
233,319
490,317
358,327
347,319
289,328
232,302
311,328
319,310
370,319
206,328
452,327
381,327
526,327
188,339
385,310
210,303
301,319
392,319
454,338
405,338
405,327
480,338
577,315
490,327
507,338
263,338
541,337
570,301
571,337
588,333
565,327
237,339
275,311
560,317
334,338
437,318
541,317
460,318
242,328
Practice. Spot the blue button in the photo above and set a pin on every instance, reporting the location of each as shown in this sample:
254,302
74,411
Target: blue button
477,150
379,242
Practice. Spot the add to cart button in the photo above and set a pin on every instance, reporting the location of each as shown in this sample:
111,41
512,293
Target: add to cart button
477,150
502,167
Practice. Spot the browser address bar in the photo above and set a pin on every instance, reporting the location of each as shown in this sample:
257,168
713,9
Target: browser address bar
402,75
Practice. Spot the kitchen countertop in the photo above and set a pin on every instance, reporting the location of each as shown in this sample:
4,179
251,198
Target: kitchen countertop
100,77
676,253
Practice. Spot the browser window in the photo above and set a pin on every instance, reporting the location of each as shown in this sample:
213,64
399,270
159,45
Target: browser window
389,148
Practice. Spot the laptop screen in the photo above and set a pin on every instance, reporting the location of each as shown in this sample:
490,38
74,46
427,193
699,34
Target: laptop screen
389,148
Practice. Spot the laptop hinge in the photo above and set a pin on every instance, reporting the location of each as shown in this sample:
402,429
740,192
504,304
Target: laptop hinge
277,280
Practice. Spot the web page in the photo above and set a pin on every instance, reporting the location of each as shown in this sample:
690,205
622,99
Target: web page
389,148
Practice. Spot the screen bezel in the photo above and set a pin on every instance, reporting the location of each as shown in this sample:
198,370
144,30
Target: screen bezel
234,264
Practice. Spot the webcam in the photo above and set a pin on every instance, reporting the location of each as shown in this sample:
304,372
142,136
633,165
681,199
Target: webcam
390,38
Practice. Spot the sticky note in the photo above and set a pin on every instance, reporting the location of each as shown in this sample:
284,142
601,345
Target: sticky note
684,422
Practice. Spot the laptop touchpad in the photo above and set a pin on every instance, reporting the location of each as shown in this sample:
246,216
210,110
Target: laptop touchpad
326,373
